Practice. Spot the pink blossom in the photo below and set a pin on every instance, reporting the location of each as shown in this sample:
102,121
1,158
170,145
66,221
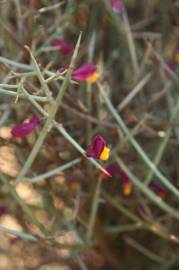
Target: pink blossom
63,47
22,130
117,6
86,72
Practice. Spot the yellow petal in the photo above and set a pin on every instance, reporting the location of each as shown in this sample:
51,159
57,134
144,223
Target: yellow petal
127,188
93,78
177,57
105,153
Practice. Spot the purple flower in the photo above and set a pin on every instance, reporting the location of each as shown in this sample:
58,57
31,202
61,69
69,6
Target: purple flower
115,171
98,149
63,47
87,72
22,130
158,189
117,6
3,210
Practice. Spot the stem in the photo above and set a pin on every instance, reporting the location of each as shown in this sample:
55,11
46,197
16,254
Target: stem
94,210
163,144
48,123
149,254
22,204
55,171
137,147
154,198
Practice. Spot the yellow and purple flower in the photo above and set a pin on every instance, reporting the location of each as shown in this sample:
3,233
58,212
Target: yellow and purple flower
86,72
115,171
98,149
158,189
117,6
23,129
63,47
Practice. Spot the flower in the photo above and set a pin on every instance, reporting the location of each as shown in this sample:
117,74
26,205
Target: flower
3,210
98,149
74,184
176,55
115,171
22,130
87,72
117,6
158,189
63,47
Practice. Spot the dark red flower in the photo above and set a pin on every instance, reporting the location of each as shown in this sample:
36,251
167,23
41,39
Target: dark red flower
87,72
63,47
115,171
98,149
22,130
158,189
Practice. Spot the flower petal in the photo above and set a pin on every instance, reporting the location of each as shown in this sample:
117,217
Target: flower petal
22,130
117,6
83,72
64,48
96,148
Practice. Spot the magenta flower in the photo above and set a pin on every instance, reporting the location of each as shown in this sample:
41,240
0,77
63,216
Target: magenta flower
98,149
158,189
3,210
63,47
117,6
22,130
115,171
87,72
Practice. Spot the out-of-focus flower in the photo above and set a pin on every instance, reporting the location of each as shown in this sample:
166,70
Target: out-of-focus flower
158,189
63,47
3,210
22,130
74,184
115,171
176,55
34,4
98,149
175,59
117,6
86,72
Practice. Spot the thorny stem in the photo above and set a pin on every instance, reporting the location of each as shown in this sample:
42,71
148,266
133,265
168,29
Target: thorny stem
51,116
163,143
23,205
137,147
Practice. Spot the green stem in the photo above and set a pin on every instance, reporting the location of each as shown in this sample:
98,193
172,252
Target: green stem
163,144
22,204
48,124
154,198
25,236
149,254
94,210
54,171
14,94
138,148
